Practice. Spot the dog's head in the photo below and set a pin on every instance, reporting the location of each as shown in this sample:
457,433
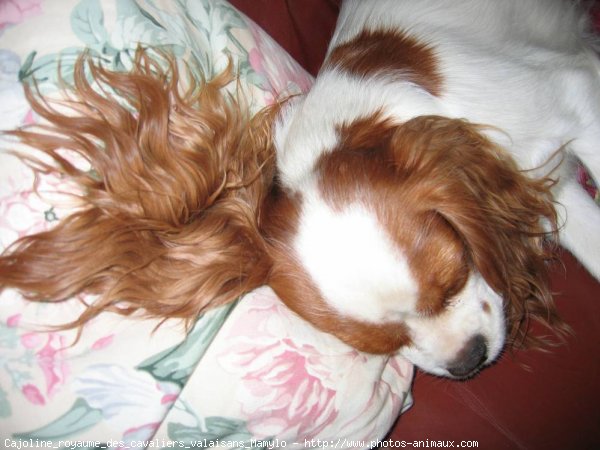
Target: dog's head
422,237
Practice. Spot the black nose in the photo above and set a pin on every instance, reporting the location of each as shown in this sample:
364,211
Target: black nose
470,358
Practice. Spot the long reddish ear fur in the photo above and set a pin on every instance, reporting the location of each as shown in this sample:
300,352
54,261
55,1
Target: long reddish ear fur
168,223
497,210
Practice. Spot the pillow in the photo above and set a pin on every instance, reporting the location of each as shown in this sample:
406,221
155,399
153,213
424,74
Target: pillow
248,374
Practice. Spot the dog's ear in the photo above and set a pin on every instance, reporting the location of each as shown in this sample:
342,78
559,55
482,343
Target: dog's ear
496,209
167,223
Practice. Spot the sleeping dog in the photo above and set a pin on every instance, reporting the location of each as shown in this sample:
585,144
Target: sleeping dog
433,155
408,203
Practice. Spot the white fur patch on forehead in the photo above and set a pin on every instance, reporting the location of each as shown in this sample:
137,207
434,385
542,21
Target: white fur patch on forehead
357,268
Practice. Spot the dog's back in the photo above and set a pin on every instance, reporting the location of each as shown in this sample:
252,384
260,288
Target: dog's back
511,64
525,67
551,24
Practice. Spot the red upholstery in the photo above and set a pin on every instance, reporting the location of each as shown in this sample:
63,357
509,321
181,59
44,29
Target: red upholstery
553,404
302,27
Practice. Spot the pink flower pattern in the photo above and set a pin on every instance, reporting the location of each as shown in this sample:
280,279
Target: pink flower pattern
13,321
52,362
283,75
13,12
33,394
284,394
294,384
103,342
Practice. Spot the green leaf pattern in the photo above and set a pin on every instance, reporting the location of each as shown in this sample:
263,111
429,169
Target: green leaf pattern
176,364
78,418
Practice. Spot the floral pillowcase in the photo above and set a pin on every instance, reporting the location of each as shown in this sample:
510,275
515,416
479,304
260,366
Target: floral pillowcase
247,374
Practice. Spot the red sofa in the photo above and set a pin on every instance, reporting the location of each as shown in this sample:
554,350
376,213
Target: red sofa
529,399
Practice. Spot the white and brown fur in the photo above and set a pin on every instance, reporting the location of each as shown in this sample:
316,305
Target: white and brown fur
423,163
407,203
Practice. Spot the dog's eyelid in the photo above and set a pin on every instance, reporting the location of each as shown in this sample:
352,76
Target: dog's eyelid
453,302
431,307
426,314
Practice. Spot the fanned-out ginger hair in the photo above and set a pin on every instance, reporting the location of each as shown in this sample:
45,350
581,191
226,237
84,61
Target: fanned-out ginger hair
168,223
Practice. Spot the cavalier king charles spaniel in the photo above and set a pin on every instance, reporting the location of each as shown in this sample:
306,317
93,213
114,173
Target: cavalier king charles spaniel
410,202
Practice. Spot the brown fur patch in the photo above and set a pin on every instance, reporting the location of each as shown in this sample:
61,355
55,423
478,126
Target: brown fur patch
391,53
168,223
485,306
